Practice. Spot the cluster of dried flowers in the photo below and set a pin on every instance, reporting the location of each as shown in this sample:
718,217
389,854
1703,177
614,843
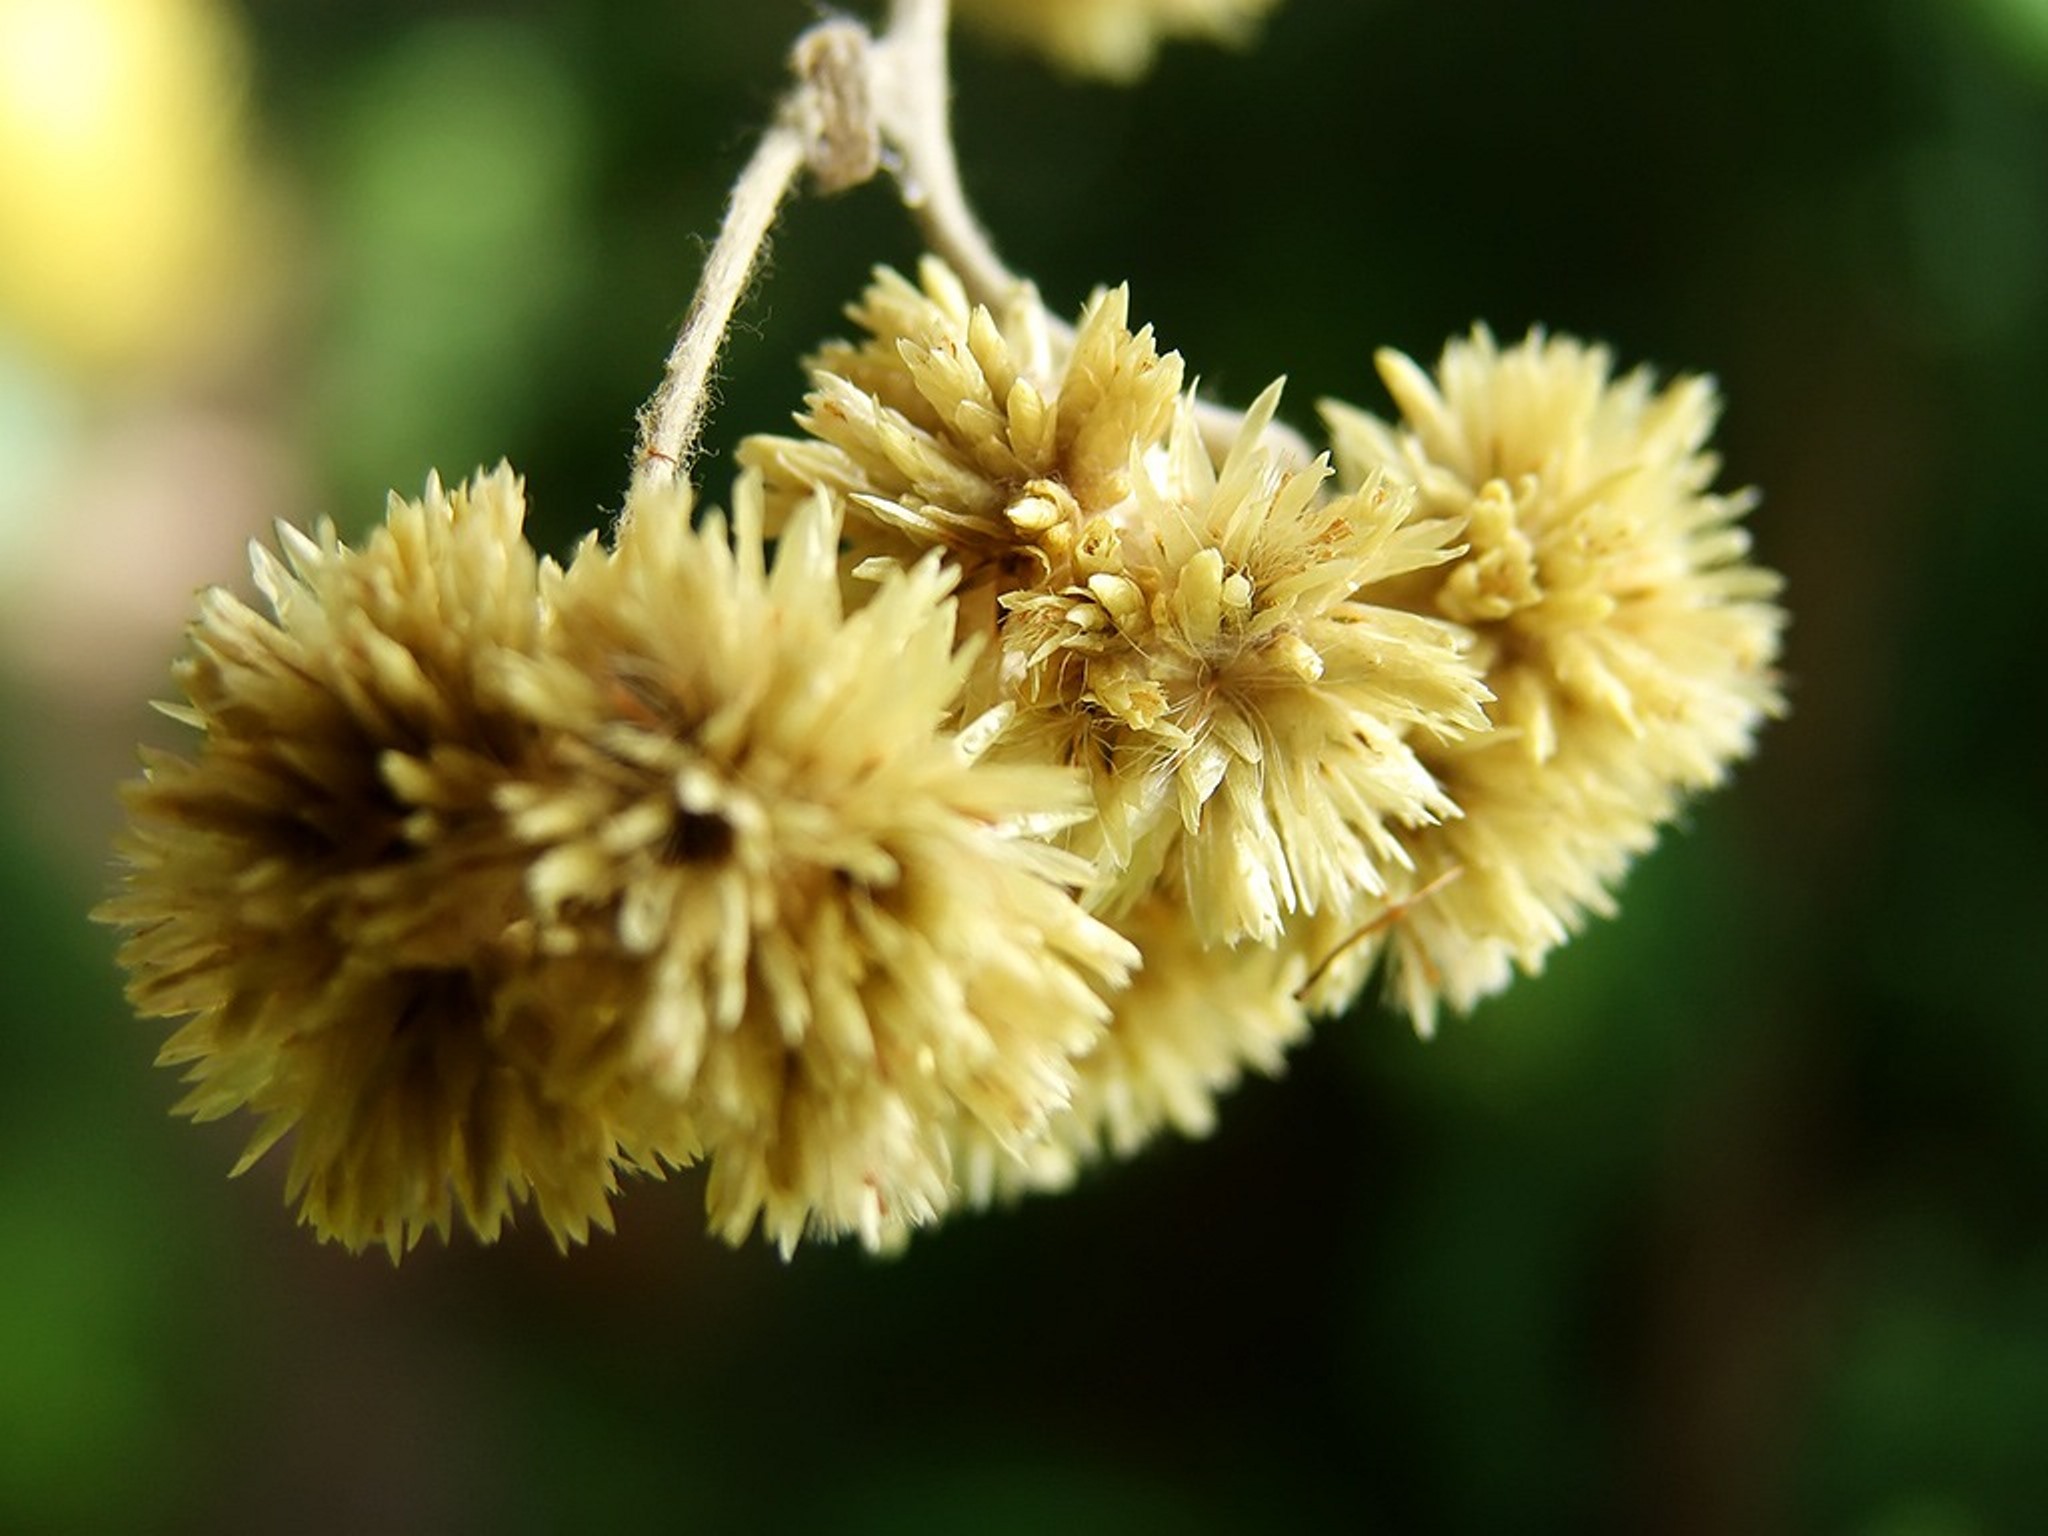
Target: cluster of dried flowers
1414,715
1022,761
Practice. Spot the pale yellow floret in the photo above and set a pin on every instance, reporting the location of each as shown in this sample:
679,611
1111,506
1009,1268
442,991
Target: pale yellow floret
1628,640
327,889
839,934
1247,725
994,439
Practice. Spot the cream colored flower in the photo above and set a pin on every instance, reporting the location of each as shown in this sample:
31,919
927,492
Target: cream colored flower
1629,642
327,890
841,938
990,438
1194,1019
1248,726
1113,39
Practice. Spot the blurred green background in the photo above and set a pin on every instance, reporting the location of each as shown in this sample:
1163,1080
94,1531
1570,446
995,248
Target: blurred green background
1733,1221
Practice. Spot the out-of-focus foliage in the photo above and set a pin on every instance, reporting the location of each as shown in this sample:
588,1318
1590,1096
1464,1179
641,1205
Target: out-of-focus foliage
1730,1222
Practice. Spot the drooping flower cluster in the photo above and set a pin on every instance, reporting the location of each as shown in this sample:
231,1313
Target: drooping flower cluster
1062,760
1033,751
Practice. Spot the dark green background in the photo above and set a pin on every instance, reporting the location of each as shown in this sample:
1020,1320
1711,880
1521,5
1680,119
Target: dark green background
1731,1222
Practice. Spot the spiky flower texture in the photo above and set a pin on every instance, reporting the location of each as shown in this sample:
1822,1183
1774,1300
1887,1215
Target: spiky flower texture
992,438
824,914
1028,756
1182,631
1629,640
491,878
1187,633
1245,722
326,889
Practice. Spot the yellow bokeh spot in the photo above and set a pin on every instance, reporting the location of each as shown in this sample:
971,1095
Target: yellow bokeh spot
122,175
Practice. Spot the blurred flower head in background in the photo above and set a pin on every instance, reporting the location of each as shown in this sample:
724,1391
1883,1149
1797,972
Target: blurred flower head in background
125,184
1112,39
139,275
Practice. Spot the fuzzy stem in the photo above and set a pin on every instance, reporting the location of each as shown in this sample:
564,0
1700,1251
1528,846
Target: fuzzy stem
854,94
672,420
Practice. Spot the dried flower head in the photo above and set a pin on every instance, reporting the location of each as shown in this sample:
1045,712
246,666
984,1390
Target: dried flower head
991,438
1112,39
327,890
1193,1020
1248,726
835,935
1628,640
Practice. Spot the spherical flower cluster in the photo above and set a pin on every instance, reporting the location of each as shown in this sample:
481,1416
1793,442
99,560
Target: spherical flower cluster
1029,755
827,918
1246,724
327,890
992,439
493,879
1629,642
490,880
